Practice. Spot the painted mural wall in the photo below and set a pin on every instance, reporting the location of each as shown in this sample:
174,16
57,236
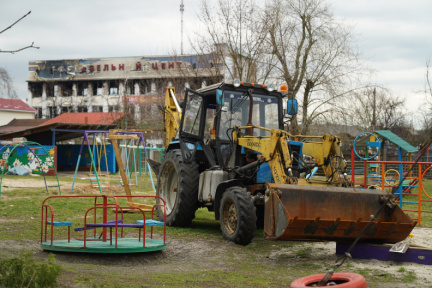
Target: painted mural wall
34,159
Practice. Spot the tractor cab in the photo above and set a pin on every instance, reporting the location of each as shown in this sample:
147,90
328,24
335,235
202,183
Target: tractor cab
210,114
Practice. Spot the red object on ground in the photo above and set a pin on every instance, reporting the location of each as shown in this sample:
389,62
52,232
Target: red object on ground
346,280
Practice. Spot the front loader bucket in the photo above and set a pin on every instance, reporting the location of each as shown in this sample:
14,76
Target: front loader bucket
302,212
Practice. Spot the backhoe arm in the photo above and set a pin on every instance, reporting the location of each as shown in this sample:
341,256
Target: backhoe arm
172,115
274,150
327,154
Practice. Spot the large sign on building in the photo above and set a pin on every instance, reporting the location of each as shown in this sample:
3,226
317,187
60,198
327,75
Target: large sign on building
118,67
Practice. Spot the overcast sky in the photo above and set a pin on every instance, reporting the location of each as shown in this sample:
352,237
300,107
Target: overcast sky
394,36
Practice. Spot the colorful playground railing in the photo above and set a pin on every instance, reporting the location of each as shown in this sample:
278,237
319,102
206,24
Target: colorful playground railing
405,178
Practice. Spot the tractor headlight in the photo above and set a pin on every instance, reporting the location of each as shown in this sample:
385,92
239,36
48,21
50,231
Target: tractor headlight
270,87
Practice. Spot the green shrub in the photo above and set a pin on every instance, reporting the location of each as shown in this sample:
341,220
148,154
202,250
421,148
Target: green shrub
24,271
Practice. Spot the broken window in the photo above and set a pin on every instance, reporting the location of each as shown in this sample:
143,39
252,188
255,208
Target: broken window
50,89
36,89
142,84
38,114
113,87
82,109
67,89
97,108
51,112
97,87
82,88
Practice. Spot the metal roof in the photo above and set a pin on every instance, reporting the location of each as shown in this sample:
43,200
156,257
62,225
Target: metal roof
91,118
45,132
15,105
387,134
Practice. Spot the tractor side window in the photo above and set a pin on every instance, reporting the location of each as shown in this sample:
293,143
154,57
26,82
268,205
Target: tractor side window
232,114
209,123
271,112
192,119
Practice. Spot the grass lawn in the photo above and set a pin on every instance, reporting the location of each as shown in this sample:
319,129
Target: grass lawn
195,256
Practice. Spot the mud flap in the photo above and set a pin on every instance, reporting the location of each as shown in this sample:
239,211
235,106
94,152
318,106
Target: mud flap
154,165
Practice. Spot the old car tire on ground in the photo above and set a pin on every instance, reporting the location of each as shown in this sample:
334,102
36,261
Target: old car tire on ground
342,280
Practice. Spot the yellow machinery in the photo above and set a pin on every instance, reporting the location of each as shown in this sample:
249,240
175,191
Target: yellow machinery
231,153
172,115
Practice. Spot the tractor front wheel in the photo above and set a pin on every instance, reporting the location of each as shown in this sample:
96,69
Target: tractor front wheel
237,216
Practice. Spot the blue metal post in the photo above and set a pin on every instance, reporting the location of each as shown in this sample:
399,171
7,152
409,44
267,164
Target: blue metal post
79,158
400,185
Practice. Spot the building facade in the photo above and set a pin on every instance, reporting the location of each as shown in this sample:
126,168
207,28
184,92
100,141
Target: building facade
108,84
11,109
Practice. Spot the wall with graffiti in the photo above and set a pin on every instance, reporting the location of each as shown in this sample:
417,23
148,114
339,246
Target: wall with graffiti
35,159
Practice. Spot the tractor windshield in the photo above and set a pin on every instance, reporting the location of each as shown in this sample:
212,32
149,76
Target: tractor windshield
236,112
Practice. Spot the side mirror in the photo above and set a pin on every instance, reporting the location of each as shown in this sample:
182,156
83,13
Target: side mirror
219,97
292,107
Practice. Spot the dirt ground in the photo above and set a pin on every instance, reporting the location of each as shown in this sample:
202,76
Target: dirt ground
186,255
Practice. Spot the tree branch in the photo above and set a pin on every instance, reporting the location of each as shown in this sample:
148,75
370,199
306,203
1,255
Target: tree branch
15,22
14,51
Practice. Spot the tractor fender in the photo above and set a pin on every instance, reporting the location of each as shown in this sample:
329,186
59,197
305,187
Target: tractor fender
173,145
222,187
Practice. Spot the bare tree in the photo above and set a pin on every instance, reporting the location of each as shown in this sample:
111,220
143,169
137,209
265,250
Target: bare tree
372,108
425,131
314,56
6,84
234,30
428,84
7,89
20,49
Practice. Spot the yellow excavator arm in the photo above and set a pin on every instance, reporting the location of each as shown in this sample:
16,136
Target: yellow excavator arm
172,115
326,154
274,150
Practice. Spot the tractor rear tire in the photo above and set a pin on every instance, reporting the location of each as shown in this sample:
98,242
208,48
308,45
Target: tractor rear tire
178,185
237,216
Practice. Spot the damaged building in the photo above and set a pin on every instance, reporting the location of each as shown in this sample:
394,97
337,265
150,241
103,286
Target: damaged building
110,84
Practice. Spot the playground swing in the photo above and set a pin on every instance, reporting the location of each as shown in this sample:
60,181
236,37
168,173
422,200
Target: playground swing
99,152
129,153
86,142
116,135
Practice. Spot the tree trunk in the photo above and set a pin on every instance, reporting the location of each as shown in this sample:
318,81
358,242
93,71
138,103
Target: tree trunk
306,96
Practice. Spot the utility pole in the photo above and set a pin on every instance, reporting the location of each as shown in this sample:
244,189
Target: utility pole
374,111
181,26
